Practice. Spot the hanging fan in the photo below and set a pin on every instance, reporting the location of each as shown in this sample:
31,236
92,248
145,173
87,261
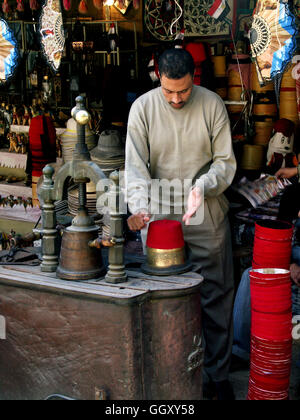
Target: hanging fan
272,38
9,53
52,33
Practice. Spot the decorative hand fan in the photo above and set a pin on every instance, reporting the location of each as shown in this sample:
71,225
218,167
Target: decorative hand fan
9,53
52,33
272,38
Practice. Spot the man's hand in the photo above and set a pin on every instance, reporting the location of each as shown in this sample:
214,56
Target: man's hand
295,274
138,221
286,172
194,202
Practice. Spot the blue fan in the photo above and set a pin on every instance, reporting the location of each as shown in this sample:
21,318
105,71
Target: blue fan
9,53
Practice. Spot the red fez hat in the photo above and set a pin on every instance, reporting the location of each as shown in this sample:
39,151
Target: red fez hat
165,234
284,126
165,249
197,51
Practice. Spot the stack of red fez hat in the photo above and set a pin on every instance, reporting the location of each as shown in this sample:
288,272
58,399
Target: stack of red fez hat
271,312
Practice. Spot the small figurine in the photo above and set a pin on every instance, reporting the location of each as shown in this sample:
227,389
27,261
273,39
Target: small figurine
26,116
281,147
23,143
14,117
20,116
13,143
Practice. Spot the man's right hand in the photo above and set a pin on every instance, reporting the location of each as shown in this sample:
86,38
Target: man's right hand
138,221
286,173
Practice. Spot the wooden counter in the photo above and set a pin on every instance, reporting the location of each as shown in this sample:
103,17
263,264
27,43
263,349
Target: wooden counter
136,340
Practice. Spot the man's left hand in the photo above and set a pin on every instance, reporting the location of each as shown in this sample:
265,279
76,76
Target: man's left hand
194,202
295,274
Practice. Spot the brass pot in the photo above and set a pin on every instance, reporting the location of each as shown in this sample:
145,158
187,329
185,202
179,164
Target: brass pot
79,261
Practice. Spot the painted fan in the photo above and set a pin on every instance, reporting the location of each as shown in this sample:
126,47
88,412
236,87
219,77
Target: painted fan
52,33
272,38
9,53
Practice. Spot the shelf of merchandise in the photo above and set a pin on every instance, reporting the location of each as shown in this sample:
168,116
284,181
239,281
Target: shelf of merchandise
116,55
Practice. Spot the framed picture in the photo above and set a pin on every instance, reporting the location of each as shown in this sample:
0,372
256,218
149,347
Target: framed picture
197,21
122,6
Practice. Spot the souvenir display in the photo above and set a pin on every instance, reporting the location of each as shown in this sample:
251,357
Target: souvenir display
281,147
83,7
110,152
208,18
122,5
262,190
67,5
52,33
9,53
272,38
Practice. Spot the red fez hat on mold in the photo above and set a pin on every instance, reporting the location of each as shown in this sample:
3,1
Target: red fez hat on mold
284,126
165,249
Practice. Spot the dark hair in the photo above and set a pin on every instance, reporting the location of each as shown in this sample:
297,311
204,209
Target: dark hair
176,63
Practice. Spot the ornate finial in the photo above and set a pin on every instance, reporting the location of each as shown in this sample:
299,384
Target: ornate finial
79,113
114,176
48,173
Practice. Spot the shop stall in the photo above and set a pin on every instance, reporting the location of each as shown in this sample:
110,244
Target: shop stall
84,318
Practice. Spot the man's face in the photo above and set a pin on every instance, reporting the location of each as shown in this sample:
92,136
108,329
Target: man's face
177,91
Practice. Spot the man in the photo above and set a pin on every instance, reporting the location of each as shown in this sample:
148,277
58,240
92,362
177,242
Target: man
180,131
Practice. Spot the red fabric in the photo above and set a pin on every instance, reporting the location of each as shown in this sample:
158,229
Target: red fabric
42,144
165,234
197,51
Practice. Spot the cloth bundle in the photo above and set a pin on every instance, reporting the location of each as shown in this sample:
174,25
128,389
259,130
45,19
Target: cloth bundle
42,144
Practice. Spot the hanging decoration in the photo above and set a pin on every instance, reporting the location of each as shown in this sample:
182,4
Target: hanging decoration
122,5
272,38
161,18
98,4
153,69
219,10
209,17
67,5
20,6
9,53
136,4
112,37
83,8
6,7
52,33
34,5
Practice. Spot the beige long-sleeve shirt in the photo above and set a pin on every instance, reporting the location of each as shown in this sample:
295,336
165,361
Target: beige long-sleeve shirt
190,143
